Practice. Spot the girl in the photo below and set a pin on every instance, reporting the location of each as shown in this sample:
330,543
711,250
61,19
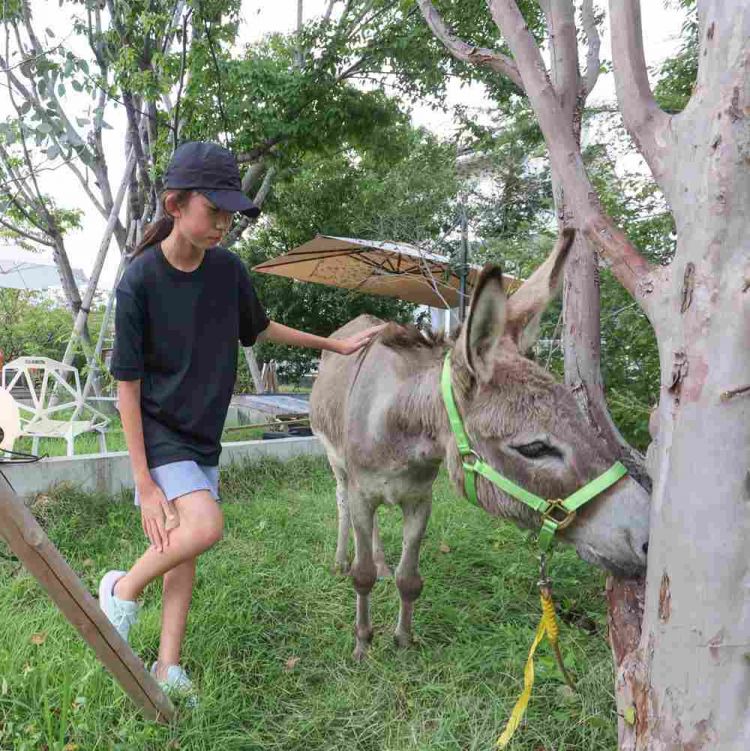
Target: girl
182,304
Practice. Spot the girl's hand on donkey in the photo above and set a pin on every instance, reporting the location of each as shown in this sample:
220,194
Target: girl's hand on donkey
353,344
158,517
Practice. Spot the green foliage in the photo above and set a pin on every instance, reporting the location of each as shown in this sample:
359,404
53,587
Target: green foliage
394,39
269,639
404,195
677,74
265,98
31,324
513,220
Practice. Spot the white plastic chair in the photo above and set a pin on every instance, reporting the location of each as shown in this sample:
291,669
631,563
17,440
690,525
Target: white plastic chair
42,419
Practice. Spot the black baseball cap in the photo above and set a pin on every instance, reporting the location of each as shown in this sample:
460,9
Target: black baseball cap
212,170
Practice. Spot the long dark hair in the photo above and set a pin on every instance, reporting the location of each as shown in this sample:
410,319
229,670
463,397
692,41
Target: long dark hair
161,228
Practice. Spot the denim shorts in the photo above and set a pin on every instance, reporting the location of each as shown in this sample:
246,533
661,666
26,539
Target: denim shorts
180,478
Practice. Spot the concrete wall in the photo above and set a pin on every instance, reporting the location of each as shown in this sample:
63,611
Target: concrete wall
110,473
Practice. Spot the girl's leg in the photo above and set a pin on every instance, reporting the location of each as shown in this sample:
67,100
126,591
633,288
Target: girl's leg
178,590
201,526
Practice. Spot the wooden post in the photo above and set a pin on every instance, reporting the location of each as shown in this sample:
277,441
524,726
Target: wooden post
37,553
252,365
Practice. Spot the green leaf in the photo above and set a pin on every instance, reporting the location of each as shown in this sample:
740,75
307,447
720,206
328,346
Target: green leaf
629,715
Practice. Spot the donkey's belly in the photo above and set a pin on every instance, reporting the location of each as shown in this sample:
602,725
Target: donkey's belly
396,485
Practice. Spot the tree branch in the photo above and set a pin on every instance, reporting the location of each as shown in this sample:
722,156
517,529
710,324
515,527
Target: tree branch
73,135
465,52
628,265
136,142
176,126
646,122
15,176
561,28
593,59
258,200
328,11
22,233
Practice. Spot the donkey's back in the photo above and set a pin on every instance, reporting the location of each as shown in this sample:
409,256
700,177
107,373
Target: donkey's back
330,394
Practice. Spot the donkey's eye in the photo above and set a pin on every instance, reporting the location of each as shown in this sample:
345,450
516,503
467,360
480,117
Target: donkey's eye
537,450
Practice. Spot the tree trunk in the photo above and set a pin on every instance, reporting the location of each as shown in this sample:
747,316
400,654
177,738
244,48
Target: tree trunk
582,353
687,685
689,680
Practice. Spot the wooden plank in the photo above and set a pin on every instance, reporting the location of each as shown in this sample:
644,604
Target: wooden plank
37,553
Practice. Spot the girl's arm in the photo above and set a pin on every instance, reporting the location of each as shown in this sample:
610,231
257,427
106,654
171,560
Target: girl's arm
154,506
277,332
129,399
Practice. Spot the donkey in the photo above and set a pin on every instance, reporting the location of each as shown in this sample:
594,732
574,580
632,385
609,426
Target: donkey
385,429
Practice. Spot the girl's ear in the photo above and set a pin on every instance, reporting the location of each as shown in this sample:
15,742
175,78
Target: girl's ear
171,206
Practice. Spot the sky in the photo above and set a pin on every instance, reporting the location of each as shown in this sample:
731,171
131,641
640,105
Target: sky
661,27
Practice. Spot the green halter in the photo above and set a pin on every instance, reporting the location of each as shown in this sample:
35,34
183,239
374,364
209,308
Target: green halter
556,514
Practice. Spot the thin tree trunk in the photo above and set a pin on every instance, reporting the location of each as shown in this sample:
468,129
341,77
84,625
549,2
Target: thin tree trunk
82,316
582,353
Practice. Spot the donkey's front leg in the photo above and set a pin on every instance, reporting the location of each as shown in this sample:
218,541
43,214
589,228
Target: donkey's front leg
409,582
364,573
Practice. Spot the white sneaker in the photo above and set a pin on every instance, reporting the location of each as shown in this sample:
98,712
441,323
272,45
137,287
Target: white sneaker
122,614
177,684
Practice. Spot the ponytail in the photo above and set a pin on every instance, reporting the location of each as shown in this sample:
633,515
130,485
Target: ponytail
162,227
155,233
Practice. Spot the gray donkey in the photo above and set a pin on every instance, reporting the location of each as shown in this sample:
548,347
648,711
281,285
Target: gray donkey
382,420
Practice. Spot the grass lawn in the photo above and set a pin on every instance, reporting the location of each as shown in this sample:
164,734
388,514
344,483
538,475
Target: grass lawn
270,634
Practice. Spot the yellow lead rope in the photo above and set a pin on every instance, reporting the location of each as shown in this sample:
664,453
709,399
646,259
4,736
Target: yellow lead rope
547,626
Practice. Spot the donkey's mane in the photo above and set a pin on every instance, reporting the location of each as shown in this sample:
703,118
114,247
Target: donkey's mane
408,336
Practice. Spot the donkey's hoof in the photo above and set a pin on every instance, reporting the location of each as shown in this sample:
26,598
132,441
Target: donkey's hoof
383,571
360,653
341,569
402,639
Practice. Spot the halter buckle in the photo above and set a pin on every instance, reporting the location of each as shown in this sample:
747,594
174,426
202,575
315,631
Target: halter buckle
470,454
558,514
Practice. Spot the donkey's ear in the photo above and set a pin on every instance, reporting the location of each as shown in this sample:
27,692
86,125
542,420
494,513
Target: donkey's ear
527,305
487,314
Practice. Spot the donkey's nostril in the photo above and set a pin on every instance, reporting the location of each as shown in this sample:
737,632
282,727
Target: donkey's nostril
645,548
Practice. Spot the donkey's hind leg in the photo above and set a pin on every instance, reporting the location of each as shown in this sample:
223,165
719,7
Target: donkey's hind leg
364,573
377,551
341,561
408,580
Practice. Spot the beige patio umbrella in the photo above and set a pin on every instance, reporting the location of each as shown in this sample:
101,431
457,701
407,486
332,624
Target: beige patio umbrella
377,268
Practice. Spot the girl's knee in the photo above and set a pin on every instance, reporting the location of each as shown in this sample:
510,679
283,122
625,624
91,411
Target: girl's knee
204,523
208,530
214,530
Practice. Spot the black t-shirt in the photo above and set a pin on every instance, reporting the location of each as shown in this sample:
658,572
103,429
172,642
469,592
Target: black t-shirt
177,332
